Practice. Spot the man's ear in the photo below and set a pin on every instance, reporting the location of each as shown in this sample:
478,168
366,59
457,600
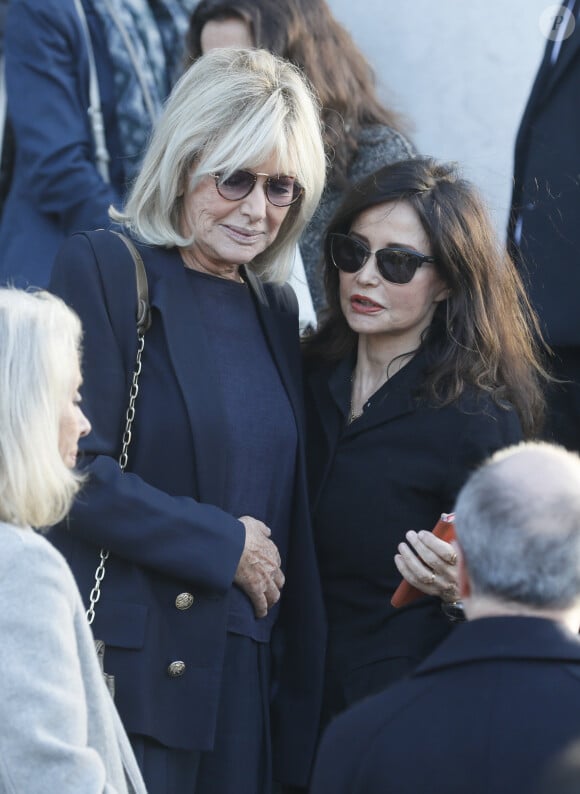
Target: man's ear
462,572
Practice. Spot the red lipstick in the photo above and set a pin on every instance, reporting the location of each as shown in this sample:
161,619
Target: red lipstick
363,305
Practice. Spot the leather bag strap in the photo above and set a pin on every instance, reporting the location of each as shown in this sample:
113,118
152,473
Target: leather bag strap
143,308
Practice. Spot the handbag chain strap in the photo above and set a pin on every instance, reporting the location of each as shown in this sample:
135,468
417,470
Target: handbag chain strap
143,323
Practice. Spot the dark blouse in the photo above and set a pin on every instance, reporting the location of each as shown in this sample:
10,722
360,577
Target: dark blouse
396,468
258,422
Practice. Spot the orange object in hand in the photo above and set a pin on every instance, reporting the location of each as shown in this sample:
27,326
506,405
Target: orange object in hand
405,592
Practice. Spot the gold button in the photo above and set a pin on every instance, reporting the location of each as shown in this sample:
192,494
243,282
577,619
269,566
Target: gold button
176,669
184,601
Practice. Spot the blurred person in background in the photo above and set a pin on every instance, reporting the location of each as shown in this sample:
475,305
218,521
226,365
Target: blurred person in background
543,233
63,177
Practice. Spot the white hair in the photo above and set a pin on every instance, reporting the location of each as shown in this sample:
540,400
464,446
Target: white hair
518,524
231,109
39,350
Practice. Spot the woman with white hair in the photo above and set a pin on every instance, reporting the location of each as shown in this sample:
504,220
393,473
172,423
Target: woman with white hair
59,731
211,607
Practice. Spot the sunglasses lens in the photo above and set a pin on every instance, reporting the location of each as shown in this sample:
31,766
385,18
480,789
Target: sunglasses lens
282,190
398,267
237,186
347,254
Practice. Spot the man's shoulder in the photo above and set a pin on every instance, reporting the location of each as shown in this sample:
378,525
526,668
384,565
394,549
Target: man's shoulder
378,713
520,647
504,638
466,715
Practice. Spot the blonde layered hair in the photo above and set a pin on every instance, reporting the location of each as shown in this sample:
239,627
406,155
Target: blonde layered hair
40,345
232,109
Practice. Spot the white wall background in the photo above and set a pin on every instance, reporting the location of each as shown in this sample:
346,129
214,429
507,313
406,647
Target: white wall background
461,72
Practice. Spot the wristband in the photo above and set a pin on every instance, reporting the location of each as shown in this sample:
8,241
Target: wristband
453,611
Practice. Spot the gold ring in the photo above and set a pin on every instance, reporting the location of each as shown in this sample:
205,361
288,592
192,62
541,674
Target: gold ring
453,560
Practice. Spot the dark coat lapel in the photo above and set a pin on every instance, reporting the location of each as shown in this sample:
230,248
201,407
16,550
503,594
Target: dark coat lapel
511,637
538,92
325,402
195,372
548,76
394,399
329,401
281,332
569,51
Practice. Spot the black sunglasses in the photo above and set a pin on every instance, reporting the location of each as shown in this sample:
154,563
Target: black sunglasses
281,190
397,265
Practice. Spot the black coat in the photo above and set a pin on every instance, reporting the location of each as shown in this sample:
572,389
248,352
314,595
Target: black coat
396,468
546,193
488,710
161,519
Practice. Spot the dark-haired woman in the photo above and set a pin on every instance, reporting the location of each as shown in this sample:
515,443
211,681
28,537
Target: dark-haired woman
423,368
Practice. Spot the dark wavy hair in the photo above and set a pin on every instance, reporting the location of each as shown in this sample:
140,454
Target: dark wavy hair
306,33
485,334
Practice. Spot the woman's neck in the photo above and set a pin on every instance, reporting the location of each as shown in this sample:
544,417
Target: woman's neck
227,271
375,365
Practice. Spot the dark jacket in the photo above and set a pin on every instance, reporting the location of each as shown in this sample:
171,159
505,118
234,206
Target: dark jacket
546,193
486,712
396,468
159,519
56,188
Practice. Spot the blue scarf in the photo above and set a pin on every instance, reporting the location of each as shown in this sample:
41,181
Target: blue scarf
146,45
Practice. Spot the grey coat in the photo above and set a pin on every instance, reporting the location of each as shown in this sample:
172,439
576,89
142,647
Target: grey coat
59,730
379,145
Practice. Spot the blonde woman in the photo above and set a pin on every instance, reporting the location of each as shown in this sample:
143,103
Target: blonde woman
59,731
211,607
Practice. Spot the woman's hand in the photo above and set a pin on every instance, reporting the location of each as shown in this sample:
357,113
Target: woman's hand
434,570
259,574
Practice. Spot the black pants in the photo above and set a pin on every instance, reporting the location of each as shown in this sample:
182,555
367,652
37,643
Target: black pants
240,762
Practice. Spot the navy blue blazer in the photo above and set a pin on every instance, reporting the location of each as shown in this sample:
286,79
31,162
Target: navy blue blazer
396,468
159,519
486,712
546,193
56,189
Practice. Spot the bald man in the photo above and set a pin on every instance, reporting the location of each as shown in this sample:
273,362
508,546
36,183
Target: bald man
499,700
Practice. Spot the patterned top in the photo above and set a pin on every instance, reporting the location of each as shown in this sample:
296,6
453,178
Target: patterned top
378,146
